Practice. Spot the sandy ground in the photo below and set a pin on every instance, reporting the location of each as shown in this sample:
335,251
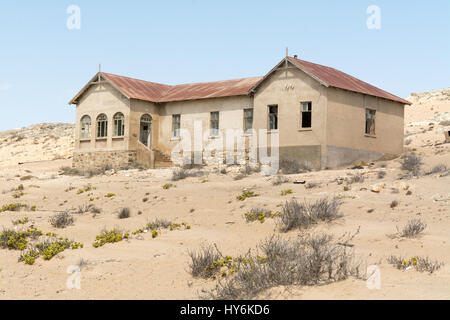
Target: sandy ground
146,268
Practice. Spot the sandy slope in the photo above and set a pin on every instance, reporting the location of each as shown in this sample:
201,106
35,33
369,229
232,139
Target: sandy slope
158,268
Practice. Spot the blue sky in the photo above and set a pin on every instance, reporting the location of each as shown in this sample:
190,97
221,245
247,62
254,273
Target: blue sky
44,64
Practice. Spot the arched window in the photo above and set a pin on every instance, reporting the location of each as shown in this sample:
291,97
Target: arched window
102,126
119,125
85,127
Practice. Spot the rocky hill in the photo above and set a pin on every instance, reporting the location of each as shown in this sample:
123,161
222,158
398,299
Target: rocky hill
39,142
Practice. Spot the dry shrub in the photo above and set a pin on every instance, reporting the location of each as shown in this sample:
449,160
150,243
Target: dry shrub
183,173
302,215
355,178
280,179
412,228
202,260
412,163
309,260
421,264
62,220
159,224
312,185
440,168
124,213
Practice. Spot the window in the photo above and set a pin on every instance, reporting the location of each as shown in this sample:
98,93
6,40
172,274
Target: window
102,126
248,120
370,121
214,123
306,114
85,127
273,117
176,125
119,125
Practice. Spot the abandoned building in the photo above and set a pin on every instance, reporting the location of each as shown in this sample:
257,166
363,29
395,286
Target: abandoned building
321,115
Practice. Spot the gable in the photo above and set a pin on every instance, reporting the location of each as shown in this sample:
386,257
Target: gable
330,77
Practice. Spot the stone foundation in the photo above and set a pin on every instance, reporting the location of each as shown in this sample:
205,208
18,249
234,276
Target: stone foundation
99,159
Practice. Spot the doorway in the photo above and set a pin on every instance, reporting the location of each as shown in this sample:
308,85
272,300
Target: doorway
146,130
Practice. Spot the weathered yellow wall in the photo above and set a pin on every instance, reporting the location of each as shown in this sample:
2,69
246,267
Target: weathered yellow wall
231,113
138,109
99,99
287,89
346,127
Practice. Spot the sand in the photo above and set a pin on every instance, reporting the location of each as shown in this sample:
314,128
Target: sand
146,268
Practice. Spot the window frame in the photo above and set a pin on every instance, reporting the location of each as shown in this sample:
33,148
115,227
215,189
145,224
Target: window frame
246,129
82,127
367,130
102,124
176,125
119,131
269,125
303,112
214,124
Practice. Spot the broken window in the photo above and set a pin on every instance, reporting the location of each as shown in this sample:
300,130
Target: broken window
85,127
214,123
102,126
273,117
370,121
176,120
248,120
306,115
119,125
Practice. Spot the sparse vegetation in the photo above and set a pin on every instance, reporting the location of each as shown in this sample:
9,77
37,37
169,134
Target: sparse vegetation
279,179
110,195
286,192
394,204
246,194
167,186
311,185
301,215
355,178
25,220
13,207
18,240
62,220
440,168
259,214
412,229
48,249
412,163
124,213
111,236
306,261
88,208
202,260
158,224
183,173
421,264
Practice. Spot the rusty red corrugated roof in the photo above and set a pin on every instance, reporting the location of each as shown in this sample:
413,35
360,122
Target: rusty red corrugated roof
138,89
341,80
157,92
205,90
